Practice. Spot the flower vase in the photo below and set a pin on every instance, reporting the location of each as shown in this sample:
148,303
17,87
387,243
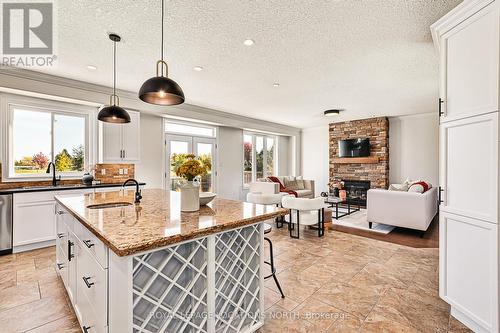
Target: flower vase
190,197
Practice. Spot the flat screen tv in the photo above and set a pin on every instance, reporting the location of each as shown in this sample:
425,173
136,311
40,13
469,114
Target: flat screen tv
354,147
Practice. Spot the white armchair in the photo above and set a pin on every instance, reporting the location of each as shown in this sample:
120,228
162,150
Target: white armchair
402,209
309,212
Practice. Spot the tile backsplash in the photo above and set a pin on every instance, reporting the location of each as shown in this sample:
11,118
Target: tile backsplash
114,173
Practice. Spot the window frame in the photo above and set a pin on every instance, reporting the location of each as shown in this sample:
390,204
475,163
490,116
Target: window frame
11,102
265,137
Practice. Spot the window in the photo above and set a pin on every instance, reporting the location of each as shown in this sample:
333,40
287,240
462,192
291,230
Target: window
39,136
195,130
259,157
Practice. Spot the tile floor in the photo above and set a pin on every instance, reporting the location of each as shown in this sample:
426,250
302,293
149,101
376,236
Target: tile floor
338,283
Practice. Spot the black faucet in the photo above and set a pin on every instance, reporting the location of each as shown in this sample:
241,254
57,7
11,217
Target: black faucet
54,179
138,195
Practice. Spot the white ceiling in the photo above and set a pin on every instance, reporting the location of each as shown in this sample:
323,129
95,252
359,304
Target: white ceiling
371,57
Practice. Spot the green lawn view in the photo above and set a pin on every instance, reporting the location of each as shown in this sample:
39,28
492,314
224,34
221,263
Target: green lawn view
64,161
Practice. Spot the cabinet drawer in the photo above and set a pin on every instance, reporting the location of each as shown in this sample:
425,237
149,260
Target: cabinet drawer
92,244
88,318
92,280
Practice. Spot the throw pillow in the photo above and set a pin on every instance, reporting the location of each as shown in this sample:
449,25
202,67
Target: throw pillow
300,183
419,187
291,185
399,187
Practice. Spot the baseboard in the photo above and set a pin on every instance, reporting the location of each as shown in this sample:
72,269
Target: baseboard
34,246
467,321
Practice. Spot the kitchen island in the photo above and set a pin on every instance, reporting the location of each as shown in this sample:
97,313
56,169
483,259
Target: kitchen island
148,267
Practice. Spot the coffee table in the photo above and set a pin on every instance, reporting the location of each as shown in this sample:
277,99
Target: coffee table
345,205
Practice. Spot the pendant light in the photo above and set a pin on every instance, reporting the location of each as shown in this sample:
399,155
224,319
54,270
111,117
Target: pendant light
160,89
114,113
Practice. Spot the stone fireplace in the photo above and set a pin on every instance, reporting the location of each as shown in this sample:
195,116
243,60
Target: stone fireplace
373,169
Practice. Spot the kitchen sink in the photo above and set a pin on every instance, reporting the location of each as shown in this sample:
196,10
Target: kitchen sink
109,205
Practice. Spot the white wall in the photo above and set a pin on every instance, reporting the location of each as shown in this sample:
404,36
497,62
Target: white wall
150,168
230,163
314,152
414,148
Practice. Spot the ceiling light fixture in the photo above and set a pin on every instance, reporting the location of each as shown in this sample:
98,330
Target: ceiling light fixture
198,68
114,113
248,42
332,112
91,67
160,89
276,84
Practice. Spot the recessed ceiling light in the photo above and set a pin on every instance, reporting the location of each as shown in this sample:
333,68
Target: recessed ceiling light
198,68
276,84
248,42
332,112
91,67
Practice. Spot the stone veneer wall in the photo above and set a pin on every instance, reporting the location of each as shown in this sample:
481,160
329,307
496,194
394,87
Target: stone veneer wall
377,130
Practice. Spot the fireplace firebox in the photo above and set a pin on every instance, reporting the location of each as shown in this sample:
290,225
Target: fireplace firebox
357,190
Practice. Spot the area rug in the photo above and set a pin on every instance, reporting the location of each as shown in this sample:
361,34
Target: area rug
358,220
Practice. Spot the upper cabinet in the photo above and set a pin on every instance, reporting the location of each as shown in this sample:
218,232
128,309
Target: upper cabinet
121,142
469,64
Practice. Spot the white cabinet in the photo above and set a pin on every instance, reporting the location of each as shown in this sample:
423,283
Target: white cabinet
85,280
469,167
469,269
34,223
468,41
121,142
469,65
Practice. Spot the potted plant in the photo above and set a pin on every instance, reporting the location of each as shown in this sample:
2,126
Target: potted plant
189,170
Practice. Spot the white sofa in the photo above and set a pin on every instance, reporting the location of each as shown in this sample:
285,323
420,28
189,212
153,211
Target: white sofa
402,209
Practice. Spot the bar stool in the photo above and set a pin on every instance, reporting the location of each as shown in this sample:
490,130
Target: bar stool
267,199
267,229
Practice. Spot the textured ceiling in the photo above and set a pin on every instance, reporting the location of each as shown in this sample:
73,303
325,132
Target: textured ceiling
371,57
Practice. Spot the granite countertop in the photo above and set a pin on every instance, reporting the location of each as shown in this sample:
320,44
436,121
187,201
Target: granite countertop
43,188
157,221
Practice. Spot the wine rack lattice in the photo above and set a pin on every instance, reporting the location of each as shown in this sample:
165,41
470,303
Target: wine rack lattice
237,279
170,289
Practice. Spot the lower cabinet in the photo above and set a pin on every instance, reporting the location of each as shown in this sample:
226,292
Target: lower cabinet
86,281
469,270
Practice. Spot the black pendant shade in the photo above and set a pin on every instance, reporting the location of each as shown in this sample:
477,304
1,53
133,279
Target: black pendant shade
114,113
160,89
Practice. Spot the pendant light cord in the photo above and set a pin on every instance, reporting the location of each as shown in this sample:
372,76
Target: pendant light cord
162,14
114,71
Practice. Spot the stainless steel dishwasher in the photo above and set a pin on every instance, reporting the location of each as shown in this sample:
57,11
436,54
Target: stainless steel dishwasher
5,224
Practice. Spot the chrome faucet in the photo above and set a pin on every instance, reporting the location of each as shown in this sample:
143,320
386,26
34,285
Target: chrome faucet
54,179
138,195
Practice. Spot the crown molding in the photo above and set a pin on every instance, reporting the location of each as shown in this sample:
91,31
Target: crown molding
42,85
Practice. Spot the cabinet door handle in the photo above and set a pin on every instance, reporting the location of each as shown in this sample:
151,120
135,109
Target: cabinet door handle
60,212
85,329
60,266
70,246
60,236
123,153
86,280
88,243
441,112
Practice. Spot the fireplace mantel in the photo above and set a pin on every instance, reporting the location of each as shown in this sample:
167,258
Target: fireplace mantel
356,160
